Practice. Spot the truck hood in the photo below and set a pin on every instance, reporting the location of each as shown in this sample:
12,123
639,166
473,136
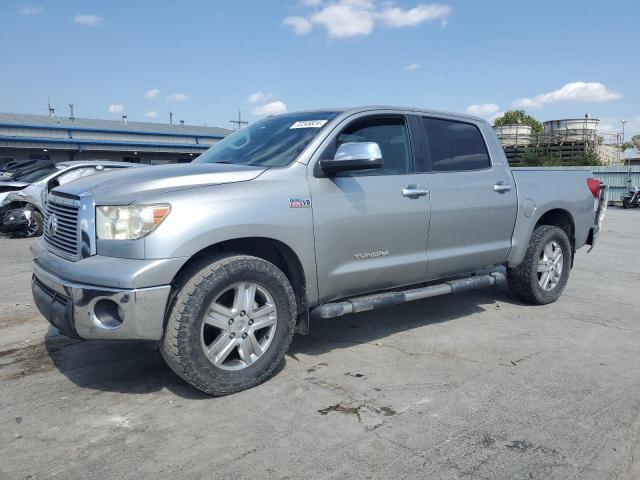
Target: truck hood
133,185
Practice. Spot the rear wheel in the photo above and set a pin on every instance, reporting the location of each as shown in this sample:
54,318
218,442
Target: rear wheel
543,274
230,325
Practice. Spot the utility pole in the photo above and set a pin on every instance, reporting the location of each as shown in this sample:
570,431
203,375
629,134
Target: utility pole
239,123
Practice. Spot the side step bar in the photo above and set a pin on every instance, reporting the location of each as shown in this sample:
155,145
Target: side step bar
388,299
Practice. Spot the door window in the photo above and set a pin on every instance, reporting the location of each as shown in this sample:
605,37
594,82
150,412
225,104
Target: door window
390,133
454,146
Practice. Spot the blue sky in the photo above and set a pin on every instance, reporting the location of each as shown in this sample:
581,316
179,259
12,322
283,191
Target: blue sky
205,60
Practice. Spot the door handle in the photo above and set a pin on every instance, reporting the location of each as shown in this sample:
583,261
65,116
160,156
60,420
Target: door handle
501,188
412,191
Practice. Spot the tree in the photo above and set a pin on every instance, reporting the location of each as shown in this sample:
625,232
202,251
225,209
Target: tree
512,117
634,144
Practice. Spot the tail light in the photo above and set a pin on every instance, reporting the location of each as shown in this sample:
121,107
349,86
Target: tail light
594,186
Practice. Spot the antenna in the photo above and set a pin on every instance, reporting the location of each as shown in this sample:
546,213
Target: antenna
52,110
71,112
170,118
239,123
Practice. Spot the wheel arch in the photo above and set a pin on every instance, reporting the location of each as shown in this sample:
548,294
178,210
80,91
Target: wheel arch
561,218
22,204
269,249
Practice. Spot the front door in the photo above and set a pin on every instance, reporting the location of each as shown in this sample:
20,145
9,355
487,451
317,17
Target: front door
369,235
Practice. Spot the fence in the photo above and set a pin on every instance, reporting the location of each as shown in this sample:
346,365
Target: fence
613,175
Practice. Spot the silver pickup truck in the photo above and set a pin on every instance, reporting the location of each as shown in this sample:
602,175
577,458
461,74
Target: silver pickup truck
307,215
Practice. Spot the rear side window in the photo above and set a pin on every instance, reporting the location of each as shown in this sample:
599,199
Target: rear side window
455,146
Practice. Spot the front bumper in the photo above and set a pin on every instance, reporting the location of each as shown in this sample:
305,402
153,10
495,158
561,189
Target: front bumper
14,220
90,312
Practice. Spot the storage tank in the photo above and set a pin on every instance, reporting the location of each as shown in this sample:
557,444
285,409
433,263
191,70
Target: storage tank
514,134
571,130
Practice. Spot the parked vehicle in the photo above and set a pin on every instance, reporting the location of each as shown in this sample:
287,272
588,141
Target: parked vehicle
24,192
631,196
314,214
13,168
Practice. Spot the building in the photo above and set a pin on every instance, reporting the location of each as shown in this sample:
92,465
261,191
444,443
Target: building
58,138
565,142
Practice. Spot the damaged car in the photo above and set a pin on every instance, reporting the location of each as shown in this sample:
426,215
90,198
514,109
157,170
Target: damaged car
21,197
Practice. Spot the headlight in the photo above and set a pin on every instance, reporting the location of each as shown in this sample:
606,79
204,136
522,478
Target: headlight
129,223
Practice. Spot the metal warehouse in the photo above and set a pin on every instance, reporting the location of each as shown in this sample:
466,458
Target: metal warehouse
57,138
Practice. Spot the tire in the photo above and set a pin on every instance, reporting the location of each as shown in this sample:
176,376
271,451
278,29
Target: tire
37,225
625,203
187,334
524,281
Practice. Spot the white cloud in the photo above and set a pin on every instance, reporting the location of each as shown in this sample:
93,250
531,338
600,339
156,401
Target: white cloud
483,109
116,108
397,17
346,18
300,25
30,10
591,92
349,18
153,93
413,66
151,114
271,108
88,20
259,97
311,3
178,97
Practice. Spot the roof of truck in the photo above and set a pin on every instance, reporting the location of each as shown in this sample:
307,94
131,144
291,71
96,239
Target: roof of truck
365,108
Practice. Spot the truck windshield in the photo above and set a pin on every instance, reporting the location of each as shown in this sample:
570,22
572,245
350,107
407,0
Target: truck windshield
272,142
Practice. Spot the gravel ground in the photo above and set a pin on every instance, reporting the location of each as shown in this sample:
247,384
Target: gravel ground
473,386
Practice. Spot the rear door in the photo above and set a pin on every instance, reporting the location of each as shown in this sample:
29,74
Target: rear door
369,234
473,201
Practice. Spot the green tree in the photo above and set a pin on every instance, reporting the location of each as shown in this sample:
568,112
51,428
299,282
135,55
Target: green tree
634,144
512,117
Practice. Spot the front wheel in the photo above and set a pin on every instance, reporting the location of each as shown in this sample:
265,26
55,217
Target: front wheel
36,225
230,325
626,202
543,274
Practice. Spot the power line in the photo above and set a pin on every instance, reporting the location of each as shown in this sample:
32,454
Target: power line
239,123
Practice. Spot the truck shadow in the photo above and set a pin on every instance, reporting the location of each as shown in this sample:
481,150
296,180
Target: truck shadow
122,367
366,327
138,367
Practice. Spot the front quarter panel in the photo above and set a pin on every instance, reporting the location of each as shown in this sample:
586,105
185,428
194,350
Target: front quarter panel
204,216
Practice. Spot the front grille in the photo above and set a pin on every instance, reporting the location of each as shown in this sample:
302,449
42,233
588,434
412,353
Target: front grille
61,227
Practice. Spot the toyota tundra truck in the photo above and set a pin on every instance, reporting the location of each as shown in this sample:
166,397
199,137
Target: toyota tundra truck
300,216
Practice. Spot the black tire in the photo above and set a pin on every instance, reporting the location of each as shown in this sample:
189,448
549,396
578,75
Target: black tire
625,203
37,225
181,345
523,280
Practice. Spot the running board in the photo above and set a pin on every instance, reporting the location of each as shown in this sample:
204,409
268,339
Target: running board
388,299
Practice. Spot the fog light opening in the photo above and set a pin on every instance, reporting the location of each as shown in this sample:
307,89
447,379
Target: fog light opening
107,314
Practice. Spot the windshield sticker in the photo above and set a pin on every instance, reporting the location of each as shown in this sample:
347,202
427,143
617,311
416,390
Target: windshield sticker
308,124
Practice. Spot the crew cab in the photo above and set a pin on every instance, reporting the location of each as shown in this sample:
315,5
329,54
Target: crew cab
305,215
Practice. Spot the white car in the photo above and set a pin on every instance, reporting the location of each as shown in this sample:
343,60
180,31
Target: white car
21,205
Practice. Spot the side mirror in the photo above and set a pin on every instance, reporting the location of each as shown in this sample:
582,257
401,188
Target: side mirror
353,156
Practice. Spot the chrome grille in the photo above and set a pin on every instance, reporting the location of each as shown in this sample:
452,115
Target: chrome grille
61,226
